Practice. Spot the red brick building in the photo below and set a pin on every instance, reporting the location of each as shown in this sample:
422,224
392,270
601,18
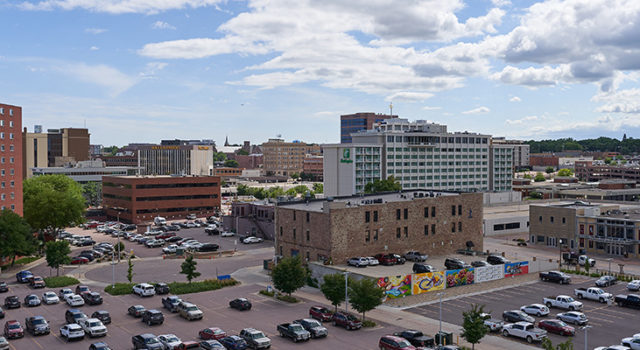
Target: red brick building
312,165
587,171
11,158
139,199
251,161
544,159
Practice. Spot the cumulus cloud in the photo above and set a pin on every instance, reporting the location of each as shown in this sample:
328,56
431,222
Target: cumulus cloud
162,25
515,99
431,108
94,48
116,6
409,96
108,77
479,110
623,101
522,121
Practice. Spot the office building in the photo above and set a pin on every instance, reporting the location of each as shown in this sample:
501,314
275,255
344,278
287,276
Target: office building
336,229
170,160
520,151
588,171
138,199
11,158
59,146
501,166
251,219
285,158
85,171
351,123
34,152
312,167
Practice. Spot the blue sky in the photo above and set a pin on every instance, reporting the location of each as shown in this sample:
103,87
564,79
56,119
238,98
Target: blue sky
142,71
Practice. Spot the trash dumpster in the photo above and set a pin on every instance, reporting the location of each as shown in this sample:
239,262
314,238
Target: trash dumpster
447,338
179,251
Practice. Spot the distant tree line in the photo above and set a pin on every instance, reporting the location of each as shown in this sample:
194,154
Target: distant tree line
601,144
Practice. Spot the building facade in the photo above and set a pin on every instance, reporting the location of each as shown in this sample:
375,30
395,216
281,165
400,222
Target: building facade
85,171
228,172
351,123
251,218
348,168
501,167
34,152
435,223
285,158
520,151
587,171
11,158
175,160
312,166
138,199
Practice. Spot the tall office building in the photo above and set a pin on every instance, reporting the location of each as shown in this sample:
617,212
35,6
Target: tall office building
11,158
420,155
55,148
520,151
350,123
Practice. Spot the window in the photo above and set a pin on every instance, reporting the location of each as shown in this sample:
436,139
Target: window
307,217
11,112
367,216
1,135
307,256
460,226
294,215
2,172
540,218
13,196
307,235
426,212
3,197
2,184
397,231
453,227
280,250
433,212
426,230
280,230
398,214
11,160
433,229
11,135
375,235
10,148
11,123
406,213
453,210
367,236
1,122
294,233
564,220
375,216
551,219
459,209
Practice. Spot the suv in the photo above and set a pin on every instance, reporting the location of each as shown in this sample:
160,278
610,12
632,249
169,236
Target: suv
392,342
386,259
415,256
346,320
358,262
13,329
240,304
422,268
320,313
153,316
12,302
189,311
146,341
171,303
144,290
102,315
497,260
255,338
93,327
161,288
74,316
37,325
92,298
36,282
314,327
455,264
24,276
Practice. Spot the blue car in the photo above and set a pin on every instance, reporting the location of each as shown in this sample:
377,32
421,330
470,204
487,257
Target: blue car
233,342
24,276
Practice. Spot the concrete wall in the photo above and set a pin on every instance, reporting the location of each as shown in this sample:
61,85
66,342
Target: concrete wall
489,225
501,197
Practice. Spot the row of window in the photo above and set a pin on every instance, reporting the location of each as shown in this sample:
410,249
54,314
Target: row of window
2,135
173,210
11,160
11,148
435,150
552,219
3,172
11,183
10,123
10,111
436,139
13,207
4,196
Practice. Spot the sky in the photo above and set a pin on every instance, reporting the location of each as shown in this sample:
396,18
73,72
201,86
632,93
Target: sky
146,70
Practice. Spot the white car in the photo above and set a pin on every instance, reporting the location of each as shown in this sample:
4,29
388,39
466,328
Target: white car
634,285
71,331
535,309
358,262
74,300
170,249
612,347
373,261
64,292
252,239
50,298
4,344
169,341
227,234
93,327
631,342
144,290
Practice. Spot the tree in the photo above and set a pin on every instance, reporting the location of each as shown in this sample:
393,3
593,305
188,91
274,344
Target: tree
92,192
231,163
535,195
527,176
539,178
548,345
318,188
57,253
565,172
289,275
219,157
333,288
130,270
365,295
295,176
188,268
388,185
16,237
473,328
111,150
607,160
549,170
51,203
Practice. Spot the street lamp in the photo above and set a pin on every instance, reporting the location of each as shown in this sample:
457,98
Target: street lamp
118,220
609,260
113,269
586,329
346,291
440,331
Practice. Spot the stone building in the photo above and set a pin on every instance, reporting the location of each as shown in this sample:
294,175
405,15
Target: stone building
435,223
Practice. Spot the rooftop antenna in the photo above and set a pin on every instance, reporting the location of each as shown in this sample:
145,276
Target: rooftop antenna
85,123
390,108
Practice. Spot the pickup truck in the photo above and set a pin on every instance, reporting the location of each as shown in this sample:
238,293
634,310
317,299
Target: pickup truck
574,258
562,302
524,330
593,294
631,300
294,331
555,276
93,327
492,324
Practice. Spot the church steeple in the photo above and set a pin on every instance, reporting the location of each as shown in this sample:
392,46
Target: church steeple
226,141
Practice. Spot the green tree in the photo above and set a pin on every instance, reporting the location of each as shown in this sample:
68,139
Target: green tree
289,275
473,328
291,192
130,270
16,237
388,185
527,176
57,253
539,178
549,170
231,163
51,203
334,288
364,295
92,192
295,176
111,150
219,157
243,190
607,160
548,345
565,172
188,268
535,195
318,188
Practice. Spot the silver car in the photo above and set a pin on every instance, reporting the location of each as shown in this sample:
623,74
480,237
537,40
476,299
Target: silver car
575,317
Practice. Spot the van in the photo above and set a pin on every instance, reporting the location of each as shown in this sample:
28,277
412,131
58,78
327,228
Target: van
158,220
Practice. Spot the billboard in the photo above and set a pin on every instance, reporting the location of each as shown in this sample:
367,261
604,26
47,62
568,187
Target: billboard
488,273
395,286
460,277
427,282
516,268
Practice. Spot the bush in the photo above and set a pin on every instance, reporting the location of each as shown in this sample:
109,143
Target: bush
287,298
265,292
60,281
368,323
201,286
594,274
120,289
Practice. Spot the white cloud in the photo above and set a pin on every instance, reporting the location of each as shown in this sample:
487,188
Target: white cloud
531,77
431,108
116,6
479,110
162,25
94,48
500,3
515,99
522,121
623,101
95,30
409,96
108,77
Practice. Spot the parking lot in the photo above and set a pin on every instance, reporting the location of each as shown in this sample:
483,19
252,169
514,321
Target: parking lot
609,323
265,315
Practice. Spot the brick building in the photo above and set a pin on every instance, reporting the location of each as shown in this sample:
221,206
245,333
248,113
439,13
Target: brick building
350,123
121,160
286,158
251,218
250,161
543,160
312,165
139,199
435,223
228,172
11,158
587,171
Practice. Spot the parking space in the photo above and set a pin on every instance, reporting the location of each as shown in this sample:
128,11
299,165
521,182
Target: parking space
265,315
610,323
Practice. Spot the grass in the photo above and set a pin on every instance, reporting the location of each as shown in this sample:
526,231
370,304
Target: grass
267,293
368,323
22,261
176,287
60,281
120,288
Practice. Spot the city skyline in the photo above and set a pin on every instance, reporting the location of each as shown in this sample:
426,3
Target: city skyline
140,71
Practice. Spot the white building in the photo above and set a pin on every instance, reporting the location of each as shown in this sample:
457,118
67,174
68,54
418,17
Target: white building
86,171
349,167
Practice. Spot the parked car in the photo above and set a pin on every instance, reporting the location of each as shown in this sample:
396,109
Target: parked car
255,339
102,315
497,260
153,316
606,281
386,259
169,341
32,300
92,298
50,298
593,294
79,260
634,285
93,327
74,300
11,302
24,276
99,346
392,342
240,304
211,345
346,320
13,329
415,256
233,342
516,316
358,262
535,309
422,268
252,239
555,276
74,316
144,290
3,287
293,331
161,288
524,330
170,249
320,313
207,247
575,317
189,344
146,341
189,311
71,331
400,259
171,303
64,292
455,264
631,342
479,263
212,333
416,338
562,302
372,261
492,324
136,310
4,343
612,347
631,300
36,282
37,325
227,234
557,327
314,327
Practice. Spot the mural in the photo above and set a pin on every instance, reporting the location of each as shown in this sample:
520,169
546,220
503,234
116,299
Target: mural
395,286
515,269
488,273
460,277
427,282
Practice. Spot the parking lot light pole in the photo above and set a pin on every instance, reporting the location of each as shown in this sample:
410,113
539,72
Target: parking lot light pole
113,269
440,331
609,260
586,329
118,238
346,291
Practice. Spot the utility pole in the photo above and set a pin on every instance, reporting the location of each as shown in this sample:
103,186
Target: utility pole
118,219
586,329
440,331
346,291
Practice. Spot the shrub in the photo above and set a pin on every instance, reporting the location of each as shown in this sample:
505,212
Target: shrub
594,274
368,323
201,286
266,292
60,281
287,298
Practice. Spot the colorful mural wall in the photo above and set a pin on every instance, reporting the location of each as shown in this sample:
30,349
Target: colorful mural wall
515,269
427,282
395,286
460,277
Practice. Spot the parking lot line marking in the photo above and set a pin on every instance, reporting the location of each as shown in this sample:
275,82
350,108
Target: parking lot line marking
38,344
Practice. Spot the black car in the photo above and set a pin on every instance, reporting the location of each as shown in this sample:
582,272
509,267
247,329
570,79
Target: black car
479,263
208,247
516,316
240,304
161,288
171,302
497,260
92,298
173,239
146,341
88,254
136,310
12,302
153,316
606,281
4,287
400,260
102,315
422,268
99,346
86,242
73,315
37,325
455,264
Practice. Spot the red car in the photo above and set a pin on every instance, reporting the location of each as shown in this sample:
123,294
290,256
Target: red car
557,327
78,260
346,320
166,235
189,345
386,259
37,282
320,313
391,342
13,329
212,333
